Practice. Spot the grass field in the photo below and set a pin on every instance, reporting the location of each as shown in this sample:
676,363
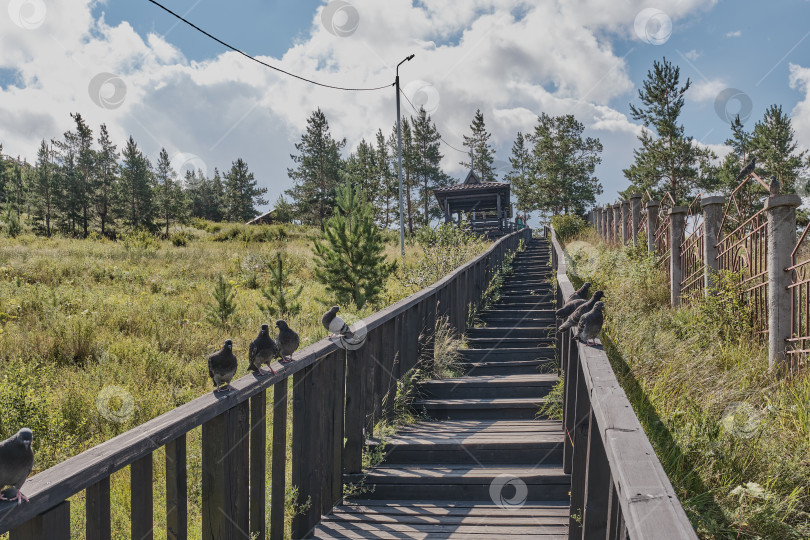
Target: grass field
733,438
99,336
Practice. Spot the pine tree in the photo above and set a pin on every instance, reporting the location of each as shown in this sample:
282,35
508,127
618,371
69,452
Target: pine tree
137,181
361,170
389,187
563,166
773,144
408,170
351,257
317,172
283,211
45,186
428,173
241,193
668,160
220,313
78,158
483,155
107,185
169,199
282,300
521,173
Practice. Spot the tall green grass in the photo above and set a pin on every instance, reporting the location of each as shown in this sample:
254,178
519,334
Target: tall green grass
98,336
733,437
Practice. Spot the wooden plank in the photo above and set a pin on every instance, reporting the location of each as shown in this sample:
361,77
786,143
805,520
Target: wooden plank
141,496
325,428
279,465
338,434
597,486
225,478
258,464
355,410
97,509
307,448
51,525
176,490
579,432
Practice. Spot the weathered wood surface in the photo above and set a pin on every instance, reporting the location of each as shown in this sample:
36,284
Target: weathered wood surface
647,502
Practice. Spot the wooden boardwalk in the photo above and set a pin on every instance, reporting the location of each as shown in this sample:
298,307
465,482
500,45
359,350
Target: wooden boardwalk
480,465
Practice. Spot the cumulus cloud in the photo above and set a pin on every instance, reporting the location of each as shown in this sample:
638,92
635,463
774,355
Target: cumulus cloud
800,116
705,90
735,33
511,58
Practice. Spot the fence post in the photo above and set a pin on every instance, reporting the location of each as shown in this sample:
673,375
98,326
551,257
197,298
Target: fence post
597,217
676,218
635,210
625,215
617,216
712,218
607,236
781,210
652,223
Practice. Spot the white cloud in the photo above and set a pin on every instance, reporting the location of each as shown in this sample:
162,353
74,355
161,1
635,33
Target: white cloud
705,90
735,33
799,79
693,55
555,57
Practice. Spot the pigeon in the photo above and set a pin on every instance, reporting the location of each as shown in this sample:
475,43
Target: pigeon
222,366
287,341
336,325
16,462
569,308
262,351
775,187
590,324
581,293
748,169
583,308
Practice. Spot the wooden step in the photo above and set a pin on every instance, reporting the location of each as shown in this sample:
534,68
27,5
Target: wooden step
463,482
509,342
489,386
509,367
506,354
480,408
499,312
491,331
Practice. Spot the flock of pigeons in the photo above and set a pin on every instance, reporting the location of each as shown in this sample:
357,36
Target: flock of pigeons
17,456
584,316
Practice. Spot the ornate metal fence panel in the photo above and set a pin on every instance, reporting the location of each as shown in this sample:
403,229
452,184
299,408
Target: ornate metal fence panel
662,237
745,251
800,289
692,254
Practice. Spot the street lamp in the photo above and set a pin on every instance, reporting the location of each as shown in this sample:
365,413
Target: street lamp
399,166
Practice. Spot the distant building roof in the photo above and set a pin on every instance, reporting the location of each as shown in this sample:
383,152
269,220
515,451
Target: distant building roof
479,186
472,178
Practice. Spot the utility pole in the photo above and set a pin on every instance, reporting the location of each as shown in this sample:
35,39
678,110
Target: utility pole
399,166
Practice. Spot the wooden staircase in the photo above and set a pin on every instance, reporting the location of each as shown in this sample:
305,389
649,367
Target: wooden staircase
482,464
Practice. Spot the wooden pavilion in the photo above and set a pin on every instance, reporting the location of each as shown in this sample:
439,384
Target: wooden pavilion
487,205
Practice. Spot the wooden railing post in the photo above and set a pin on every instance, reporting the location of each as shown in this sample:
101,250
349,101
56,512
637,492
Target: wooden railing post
605,226
97,510
225,474
626,234
355,413
176,489
278,470
141,516
781,239
51,525
258,464
579,464
597,485
712,218
677,215
608,235
635,211
652,223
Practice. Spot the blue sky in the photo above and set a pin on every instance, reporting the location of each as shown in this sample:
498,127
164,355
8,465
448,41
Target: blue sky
512,58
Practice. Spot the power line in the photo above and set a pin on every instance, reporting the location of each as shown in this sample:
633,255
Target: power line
440,137
231,47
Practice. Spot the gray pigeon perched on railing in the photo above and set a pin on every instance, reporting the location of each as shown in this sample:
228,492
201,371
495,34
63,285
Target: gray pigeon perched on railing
16,462
569,308
585,307
590,324
287,341
581,293
748,169
222,366
262,350
335,324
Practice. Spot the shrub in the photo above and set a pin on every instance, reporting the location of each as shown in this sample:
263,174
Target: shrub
180,239
567,226
224,304
444,248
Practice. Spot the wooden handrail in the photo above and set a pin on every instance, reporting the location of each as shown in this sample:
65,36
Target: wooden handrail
618,483
49,489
